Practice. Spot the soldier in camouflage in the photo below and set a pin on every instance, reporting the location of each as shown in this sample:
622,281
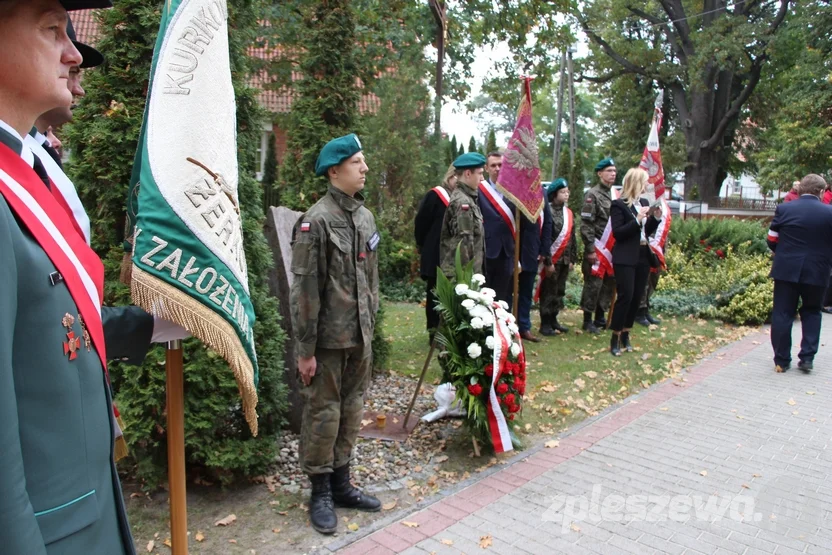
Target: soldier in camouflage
462,225
596,296
334,299
553,286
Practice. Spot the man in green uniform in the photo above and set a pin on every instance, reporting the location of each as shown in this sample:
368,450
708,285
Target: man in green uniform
564,252
334,298
59,489
595,212
462,225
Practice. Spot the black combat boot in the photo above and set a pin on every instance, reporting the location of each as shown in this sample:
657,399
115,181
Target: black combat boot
588,325
557,326
615,349
546,325
345,495
641,317
651,319
625,341
600,321
321,510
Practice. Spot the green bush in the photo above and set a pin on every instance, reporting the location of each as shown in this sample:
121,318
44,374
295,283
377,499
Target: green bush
694,235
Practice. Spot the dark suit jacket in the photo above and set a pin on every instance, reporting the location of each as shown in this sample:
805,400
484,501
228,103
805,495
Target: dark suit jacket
801,236
427,230
532,244
627,231
499,241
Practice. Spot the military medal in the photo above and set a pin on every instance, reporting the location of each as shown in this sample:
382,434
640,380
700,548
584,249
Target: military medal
73,344
85,334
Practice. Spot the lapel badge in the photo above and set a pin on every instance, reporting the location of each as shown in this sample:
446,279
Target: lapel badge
85,334
73,344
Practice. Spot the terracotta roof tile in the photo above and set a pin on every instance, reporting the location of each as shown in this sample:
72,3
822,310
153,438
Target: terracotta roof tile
278,101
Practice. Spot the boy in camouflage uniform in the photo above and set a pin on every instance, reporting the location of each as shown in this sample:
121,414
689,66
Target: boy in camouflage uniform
595,212
334,299
462,225
553,285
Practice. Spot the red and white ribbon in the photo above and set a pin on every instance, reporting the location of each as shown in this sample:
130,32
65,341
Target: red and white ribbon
442,194
499,205
658,240
497,425
558,247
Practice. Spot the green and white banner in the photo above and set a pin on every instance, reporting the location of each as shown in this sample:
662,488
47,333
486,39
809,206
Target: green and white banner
189,264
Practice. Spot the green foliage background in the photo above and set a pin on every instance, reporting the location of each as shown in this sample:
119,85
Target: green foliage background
103,140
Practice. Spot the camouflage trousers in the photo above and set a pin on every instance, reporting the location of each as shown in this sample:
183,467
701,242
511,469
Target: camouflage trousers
597,292
552,291
652,283
333,407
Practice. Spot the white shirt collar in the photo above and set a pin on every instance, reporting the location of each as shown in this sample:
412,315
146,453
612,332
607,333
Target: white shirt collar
25,153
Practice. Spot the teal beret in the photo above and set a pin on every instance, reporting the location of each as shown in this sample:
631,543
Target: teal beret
555,186
604,164
336,151
469,160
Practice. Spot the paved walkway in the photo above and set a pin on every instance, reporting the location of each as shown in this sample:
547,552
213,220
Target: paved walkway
735,459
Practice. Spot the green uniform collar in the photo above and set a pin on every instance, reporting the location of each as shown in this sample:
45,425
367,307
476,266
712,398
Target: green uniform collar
346,202
473,193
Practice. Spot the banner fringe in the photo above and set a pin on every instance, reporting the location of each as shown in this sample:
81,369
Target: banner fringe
165,301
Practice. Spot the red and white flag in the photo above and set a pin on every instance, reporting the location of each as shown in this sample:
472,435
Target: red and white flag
651,159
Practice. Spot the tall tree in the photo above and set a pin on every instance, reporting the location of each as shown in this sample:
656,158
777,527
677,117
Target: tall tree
472,145
709,59
103,140
326,105
491,141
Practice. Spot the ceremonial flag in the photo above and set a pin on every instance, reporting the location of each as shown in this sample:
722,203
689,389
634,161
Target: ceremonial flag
651,159
519,178
188,262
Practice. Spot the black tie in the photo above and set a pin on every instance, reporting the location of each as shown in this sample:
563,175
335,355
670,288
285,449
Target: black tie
53,153
41,171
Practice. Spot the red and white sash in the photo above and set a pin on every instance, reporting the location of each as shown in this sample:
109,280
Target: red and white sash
54,230
442,194
603,246
64,190
497,425
499,205
658,240
558,247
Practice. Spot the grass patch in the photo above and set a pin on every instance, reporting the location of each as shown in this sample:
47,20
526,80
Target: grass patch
573,376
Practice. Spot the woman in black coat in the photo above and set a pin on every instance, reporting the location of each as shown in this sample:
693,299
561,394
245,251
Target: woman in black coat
633,221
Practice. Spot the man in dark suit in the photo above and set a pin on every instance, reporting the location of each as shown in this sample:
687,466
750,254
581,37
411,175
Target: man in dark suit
498,223
535,242
799,236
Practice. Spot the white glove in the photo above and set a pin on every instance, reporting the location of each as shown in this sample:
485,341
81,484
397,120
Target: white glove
164,331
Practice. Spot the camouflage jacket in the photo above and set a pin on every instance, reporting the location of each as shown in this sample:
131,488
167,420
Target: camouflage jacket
462,226
334,294
594,215
571,253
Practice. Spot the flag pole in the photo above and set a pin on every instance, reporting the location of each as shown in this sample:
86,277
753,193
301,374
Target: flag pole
514,304
176,447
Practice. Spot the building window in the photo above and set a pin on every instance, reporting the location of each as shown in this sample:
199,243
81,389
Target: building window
736,187
263,150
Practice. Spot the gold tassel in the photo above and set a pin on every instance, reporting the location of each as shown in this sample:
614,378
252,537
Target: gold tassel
120,450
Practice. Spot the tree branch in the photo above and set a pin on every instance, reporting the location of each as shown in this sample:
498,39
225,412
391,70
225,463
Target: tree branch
778,19
680,100
734,110
676,12
672,37
627,65
606,78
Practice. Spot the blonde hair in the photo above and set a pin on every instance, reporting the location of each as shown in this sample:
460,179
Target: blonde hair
448,175
635,182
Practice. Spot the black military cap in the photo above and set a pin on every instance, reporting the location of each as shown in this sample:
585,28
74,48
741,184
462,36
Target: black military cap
92,57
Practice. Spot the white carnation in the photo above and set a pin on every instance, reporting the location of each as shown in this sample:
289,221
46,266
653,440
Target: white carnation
479,279
461,289
487,318
501,314
479,311
515,349
489,342
468,303
513,328
474,350
477,323
503,305
488,292
473,295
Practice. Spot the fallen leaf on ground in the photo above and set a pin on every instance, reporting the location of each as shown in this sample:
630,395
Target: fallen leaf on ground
579,383
575,527
552,444
232,541
791,402
757,475
591,375
226,521
746,486
352,527
447,542
441,459
276,530
365,422
810,393
135,495
704,473
664,408
389,506
150,545
199,536
485,542
411,524
283,513
167,542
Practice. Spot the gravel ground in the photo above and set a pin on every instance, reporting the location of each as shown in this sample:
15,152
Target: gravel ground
383,465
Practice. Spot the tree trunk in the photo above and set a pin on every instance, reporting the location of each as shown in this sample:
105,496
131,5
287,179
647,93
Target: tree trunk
702,173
